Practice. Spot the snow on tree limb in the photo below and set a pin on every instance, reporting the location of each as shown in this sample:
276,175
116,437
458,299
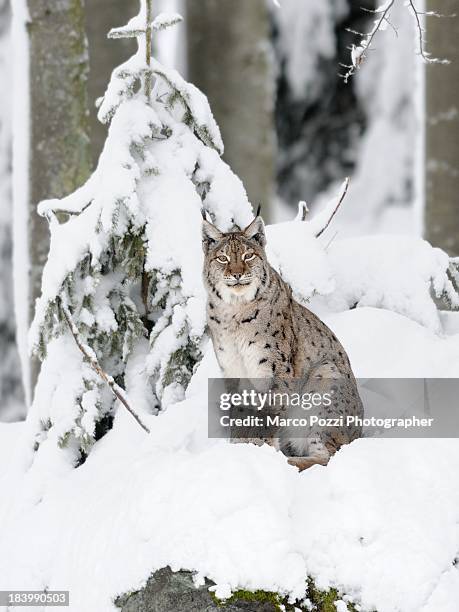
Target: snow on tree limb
322,220
125,257
142,67
197,107
166,20
136,26
302,211
360,50
426,57
91,357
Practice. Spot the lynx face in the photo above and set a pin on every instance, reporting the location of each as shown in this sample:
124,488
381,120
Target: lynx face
235,263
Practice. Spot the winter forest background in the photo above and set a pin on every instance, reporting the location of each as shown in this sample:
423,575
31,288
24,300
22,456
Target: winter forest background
292,127
109,152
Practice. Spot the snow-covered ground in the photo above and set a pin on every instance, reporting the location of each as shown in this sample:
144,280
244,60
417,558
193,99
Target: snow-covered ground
380,522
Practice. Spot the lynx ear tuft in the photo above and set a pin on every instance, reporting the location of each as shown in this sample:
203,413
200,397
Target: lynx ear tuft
210,235
256,231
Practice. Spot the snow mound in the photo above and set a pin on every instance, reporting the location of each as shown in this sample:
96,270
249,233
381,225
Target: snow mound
383,344
379,522
403,274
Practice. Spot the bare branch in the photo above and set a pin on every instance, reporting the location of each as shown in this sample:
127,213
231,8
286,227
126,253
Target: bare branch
421,39
91,357
394,29
360,50
335,210
358,53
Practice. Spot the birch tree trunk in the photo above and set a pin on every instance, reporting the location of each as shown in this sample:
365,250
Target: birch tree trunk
11,395
59,158
442,128
230,60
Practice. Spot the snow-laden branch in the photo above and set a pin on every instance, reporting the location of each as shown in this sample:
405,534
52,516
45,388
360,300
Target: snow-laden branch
322,220
359,52
418,17
341,196
91,357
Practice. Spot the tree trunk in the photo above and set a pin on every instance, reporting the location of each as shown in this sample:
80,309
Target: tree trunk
59,158
230,60
11,395
442,129
104,55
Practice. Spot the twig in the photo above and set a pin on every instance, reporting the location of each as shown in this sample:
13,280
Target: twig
366,42
302,211
420,31
148,48
421,42
359,52
343,195
90,356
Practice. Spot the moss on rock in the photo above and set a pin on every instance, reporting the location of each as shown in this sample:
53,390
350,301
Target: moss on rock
166,590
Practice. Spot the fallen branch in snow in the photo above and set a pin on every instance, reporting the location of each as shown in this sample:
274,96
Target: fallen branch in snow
359,51
335,210
91,357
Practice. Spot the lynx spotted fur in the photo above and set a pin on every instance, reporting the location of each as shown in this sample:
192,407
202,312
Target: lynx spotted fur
260,331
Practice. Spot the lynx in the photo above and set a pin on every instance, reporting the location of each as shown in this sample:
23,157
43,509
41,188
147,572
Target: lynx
260,331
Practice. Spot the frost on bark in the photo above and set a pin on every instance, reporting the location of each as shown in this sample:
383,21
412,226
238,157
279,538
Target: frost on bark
442,128
59,142
229,59
104,55
11,397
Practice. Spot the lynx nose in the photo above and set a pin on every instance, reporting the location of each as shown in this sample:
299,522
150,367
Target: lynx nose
237,275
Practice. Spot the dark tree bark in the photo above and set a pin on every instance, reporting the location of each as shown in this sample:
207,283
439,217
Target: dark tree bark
104,55
59,144
442,129
229,59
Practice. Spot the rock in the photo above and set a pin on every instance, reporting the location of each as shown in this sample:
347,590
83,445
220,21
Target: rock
168,591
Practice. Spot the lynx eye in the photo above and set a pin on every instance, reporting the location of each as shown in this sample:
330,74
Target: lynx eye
223,259
248,257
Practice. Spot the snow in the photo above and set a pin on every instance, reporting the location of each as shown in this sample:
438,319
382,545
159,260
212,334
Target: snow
137,219
394,272
306,37
165,20
195,103
402,274
379,523
239,514
388,88
400,347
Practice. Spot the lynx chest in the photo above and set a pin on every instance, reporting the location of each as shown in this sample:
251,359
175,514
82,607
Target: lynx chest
238,345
